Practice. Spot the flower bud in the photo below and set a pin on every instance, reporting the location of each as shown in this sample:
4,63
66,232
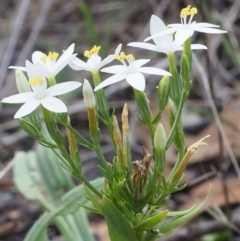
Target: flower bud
185,72
163,92
143,103
88,94
160,138
22,82
31,129
160,141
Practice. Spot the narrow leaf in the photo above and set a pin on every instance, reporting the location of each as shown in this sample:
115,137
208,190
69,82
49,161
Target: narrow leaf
119,228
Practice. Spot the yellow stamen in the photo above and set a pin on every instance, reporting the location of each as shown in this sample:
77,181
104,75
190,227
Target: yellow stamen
122,56
36,81
130,57
193,11
53,55
94,50
87,54
44,59
188,11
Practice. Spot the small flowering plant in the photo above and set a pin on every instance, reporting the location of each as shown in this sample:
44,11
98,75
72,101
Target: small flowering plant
133,198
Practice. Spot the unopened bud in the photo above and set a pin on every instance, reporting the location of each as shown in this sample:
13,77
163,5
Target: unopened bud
160,138
89,99
163,92
22,82
31,129
160,141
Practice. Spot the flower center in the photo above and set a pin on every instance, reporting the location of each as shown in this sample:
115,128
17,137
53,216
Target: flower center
36,81
122,57
94,50
188,11
51,56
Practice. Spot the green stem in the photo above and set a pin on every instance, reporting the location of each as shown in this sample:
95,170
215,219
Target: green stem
52,81
176,86
104,162
80,138
60,222
176,121
102,105
187,49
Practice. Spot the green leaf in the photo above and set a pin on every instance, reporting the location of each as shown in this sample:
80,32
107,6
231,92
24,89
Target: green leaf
93,199
77,195
151,222
79,224
119,228
173,223
24,178
39,229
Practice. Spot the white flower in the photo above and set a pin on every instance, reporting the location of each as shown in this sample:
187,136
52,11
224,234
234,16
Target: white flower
94,62
49,65
185,29
165,43
131,71
40,95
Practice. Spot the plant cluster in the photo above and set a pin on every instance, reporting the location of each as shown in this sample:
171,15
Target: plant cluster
133,199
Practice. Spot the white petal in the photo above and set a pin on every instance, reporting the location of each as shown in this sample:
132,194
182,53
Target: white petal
44,70
63,88
183,34
176,25
111,80
157,26
94,62
118,49
143,45
140,62
106,61
209,30
167,31
137,81
32,70
115,69
64,59
77,64
36,56
198,46
19,98
18,67
151,70
27,108
54,104
207,25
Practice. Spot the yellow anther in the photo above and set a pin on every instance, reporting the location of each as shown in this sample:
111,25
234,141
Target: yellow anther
121,57
53,55
87,54
130,57
36,81
44,59
193,11
95,49
188,11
